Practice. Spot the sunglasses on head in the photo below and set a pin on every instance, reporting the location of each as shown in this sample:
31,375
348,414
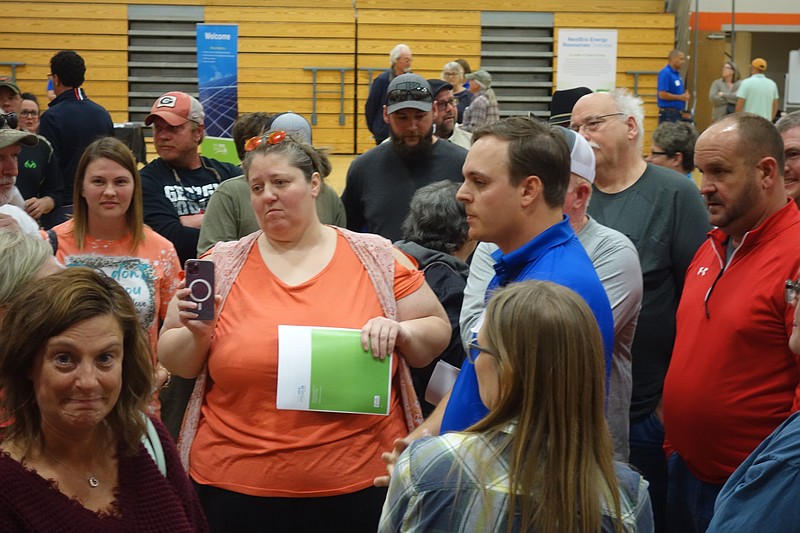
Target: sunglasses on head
10,119
408,91
276,137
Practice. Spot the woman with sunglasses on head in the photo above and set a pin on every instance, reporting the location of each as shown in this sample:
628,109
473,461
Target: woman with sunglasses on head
542,459
107,233
258,466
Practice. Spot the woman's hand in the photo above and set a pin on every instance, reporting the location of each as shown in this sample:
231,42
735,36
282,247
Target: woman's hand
381,335
184,341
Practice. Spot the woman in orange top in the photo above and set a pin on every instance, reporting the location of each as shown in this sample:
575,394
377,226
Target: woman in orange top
107,233
256,466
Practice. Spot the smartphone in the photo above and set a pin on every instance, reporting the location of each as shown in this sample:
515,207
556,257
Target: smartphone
200,279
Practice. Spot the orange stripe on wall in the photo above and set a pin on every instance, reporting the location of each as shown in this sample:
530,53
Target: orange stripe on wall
714,21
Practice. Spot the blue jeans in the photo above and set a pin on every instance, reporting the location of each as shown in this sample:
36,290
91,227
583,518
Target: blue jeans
647,455
690,502
669,114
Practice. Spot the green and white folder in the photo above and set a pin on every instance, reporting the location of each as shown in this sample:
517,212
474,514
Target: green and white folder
325,369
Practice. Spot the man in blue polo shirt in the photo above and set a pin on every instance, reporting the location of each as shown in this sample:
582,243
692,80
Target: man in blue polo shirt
516,177
672,96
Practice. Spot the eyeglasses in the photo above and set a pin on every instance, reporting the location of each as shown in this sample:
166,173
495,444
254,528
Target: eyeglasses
441,104
10,119
593,123
450,74
28,113
408,91
791,291
476,348
276,137
654,153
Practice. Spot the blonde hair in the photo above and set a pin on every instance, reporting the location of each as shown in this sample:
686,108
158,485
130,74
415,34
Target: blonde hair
116,151
21,256
550,367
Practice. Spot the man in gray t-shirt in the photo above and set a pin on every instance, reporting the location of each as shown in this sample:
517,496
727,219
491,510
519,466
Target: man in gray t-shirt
663,214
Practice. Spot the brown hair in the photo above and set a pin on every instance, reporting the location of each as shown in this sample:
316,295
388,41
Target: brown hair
48,307
534,148
550,368
114,150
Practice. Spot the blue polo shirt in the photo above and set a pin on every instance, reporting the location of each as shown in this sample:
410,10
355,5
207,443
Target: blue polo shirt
554,255
669,80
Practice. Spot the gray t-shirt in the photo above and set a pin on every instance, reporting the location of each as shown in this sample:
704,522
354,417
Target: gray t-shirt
663,214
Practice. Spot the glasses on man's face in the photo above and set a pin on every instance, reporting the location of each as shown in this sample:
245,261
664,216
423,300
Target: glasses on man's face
791,290
593,123
276,137
653,153
408,91
476,349
10,119
442,104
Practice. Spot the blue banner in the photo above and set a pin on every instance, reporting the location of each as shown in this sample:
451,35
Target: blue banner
217,78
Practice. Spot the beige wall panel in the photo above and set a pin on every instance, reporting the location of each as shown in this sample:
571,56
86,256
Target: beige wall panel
40,41
245,15
16,26
599,19
70,10
591,6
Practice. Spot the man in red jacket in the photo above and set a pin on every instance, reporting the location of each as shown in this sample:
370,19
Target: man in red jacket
732,379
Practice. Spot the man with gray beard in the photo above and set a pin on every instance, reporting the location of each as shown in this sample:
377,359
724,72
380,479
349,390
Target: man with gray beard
381,182
11,141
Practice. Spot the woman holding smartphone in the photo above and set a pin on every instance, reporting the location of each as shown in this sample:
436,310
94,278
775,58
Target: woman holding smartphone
542,459
256,466
107,233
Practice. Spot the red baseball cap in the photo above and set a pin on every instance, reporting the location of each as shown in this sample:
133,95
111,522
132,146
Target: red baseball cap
176,108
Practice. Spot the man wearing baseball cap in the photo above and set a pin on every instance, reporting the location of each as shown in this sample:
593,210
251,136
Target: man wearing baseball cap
176,187
758,94
71,122
446,114
381,182
11,142
484,108
39,180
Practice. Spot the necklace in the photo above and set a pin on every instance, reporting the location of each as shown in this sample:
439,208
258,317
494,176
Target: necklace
93,481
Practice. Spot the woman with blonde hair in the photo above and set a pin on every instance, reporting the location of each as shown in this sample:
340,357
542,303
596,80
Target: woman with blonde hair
542,459
453,73
107,233
23,258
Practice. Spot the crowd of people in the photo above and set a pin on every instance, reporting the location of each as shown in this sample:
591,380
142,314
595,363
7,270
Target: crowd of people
572,337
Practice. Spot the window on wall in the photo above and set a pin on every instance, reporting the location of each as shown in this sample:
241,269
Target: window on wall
517,50
162,54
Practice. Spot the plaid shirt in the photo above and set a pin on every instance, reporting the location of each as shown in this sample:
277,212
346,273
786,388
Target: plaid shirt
480,112
436,486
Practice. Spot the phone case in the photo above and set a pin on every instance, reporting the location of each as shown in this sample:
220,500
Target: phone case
200,279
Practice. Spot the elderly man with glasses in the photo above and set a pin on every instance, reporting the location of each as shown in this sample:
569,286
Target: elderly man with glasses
662,213
381,182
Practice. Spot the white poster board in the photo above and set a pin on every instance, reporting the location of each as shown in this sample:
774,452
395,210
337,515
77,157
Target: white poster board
587,58
792,94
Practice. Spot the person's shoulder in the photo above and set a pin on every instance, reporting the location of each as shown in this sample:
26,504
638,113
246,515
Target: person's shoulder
233,185
153,168
156,240
663,178
378,154
229,170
